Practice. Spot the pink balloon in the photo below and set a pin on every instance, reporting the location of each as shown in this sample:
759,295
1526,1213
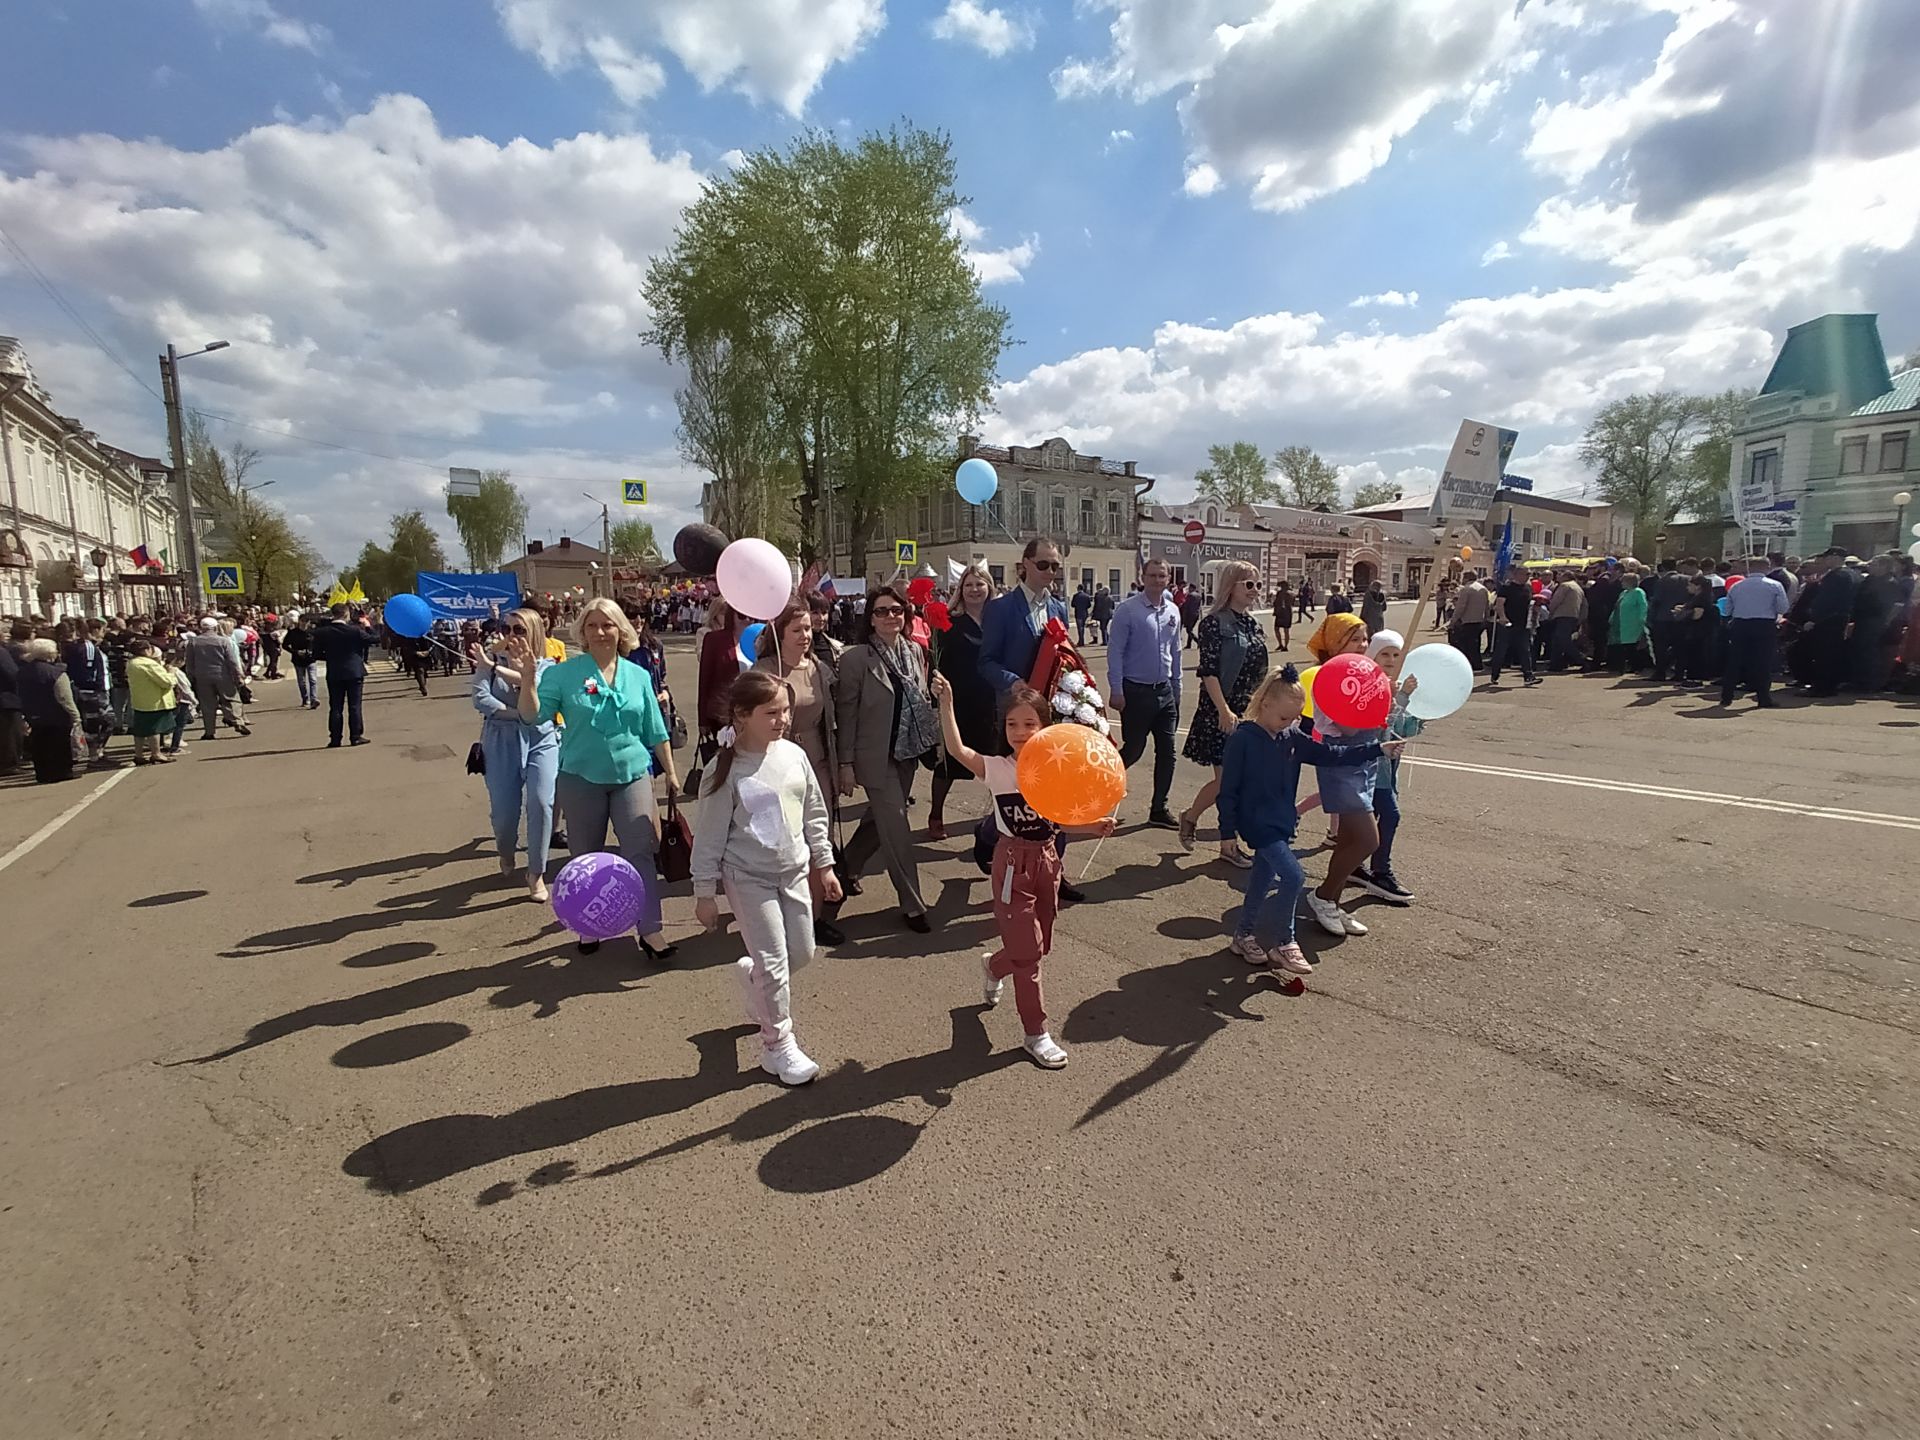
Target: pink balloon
755,578
1353,692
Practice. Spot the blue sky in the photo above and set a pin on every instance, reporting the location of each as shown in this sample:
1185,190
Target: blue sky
422,224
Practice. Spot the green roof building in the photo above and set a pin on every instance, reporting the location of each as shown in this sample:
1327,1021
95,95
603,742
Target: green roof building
1827,443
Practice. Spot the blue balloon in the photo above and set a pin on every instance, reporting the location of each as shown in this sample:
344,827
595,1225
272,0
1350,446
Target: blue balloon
977,481
409,615
749,638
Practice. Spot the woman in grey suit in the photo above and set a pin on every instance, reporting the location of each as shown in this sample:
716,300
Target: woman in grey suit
886,723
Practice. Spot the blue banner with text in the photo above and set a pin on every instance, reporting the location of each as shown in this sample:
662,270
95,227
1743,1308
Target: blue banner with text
468,597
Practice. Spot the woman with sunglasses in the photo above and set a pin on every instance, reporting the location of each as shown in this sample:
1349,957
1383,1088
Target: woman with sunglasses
1233,662
885,723
522,756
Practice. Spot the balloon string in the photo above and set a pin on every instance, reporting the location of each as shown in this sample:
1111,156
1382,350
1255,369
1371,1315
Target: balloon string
1096,846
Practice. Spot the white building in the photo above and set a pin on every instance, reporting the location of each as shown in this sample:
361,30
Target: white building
65,495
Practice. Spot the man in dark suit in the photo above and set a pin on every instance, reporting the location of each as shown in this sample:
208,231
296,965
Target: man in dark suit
343,644
1010,626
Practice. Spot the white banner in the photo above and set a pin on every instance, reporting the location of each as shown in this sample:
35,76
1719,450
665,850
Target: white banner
1472,477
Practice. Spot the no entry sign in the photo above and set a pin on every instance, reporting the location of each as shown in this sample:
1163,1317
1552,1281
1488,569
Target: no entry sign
1196,532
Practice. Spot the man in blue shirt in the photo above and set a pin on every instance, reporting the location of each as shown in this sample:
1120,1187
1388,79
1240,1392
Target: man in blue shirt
1010,626
1754,609
1143,681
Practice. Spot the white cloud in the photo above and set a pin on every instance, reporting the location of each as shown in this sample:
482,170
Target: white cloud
373,275
261,18
994,267
773,51
991,31
1298,100
1387,300
1117,138
1496,252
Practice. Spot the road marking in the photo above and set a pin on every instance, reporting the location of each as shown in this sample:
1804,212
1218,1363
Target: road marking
1664,792
26,846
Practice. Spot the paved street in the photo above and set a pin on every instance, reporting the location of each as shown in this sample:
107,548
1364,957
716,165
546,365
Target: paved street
316,1127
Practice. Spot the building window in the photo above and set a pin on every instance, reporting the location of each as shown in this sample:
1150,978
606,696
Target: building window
949,514
1057,514
1086,576
1213,516
1549,539
1113,584
1029,516
999,574
1087,515
997,513
1763,468
1853,456
926,518
1526,534
1893,452
1113,517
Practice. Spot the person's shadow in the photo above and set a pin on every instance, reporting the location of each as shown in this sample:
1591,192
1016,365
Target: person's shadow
1177,1007
433,1150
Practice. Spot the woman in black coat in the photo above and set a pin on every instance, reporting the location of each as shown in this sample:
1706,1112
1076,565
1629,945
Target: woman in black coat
974,703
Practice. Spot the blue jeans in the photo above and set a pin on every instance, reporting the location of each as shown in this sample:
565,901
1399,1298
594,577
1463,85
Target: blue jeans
309,686
1386,813
1274,871
182,715
519,776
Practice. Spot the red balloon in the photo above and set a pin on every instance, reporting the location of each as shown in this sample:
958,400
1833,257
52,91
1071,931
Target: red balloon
1353,692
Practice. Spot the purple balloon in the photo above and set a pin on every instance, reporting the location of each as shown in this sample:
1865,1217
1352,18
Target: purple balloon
598,896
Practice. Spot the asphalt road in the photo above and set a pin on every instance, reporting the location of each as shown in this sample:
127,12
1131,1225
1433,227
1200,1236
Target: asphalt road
314,1127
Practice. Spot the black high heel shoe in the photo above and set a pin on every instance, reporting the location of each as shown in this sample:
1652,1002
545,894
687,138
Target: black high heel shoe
660,956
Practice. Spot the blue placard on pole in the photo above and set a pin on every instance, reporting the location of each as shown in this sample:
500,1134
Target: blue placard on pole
467,597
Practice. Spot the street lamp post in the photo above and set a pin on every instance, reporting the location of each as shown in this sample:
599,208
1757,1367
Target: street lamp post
1901,501
99,558
176,438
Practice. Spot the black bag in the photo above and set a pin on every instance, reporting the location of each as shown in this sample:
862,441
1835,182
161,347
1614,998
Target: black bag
675,857
690,787
476,759
676,728
246,693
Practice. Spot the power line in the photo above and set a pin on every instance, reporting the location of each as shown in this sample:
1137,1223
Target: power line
53,293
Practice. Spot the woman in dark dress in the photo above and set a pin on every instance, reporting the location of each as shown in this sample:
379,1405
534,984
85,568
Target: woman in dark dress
47,705
1233,662
974,703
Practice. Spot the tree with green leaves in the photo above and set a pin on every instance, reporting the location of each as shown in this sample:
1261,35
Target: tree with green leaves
491,522
240,526
1640,447
1703,479
1236,474
1307,481
1375,492
836,321
394,568
633,539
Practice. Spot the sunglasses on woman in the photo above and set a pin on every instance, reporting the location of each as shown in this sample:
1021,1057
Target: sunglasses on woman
889,610
516,630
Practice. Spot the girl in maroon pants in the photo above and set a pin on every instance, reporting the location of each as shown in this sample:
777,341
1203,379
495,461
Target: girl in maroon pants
1026,864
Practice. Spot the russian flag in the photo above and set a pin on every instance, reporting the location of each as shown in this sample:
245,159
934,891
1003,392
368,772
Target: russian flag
141,559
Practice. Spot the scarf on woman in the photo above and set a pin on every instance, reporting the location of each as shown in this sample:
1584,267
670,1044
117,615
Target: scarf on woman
916,729
1331,636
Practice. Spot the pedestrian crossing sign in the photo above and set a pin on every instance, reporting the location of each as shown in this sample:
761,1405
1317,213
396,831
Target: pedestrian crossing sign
633,492
222,579
906,552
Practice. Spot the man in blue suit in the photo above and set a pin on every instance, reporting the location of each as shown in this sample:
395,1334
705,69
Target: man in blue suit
1010,628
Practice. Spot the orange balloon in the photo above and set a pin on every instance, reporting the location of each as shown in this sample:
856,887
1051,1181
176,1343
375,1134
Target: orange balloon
1071,774
1466,552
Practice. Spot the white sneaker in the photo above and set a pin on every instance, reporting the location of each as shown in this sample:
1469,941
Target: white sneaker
1327,915
991,987
1290,958
1045,1053
1248,949
1351,925
788,1061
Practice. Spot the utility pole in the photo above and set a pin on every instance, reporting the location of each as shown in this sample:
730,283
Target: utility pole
176,439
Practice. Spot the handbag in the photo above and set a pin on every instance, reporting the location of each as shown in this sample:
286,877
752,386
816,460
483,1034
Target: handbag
476,759
675,855
676,728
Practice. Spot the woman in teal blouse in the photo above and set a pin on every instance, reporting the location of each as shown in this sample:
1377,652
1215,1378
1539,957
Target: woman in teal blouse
612,724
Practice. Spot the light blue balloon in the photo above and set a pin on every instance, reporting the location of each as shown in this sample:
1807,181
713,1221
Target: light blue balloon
977,481
1446,680
408,615
749,638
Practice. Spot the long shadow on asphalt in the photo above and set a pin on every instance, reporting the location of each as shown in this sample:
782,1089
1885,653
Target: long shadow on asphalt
1177,1007
545,980
815,1159
445,902
398,865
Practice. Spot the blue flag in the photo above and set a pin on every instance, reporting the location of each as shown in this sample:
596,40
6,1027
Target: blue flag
1503,557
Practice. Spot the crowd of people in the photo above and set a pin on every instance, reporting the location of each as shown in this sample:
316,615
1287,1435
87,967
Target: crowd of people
1833,624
